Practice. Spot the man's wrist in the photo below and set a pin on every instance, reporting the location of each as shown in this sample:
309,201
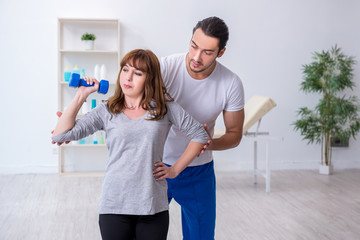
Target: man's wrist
213,144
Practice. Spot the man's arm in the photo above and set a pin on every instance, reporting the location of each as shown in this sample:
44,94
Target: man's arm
234,122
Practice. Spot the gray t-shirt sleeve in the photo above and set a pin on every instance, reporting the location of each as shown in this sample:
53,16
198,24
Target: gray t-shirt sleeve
235,97
193,130
84,126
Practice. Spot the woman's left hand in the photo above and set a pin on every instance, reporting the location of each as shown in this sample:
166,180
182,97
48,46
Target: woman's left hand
162,171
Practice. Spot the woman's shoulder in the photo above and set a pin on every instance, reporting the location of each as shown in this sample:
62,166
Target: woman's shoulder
172,104
102,108
174,108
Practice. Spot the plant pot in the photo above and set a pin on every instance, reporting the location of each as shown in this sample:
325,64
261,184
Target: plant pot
326,170
88,44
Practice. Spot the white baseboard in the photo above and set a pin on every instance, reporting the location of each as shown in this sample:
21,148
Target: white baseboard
249,165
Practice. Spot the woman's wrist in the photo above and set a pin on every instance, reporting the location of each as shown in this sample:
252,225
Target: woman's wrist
175,170
80,97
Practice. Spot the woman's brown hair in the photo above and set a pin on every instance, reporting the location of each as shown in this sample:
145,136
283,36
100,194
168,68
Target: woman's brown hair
155,94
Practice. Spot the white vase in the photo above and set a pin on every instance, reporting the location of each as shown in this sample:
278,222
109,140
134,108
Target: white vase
326,170
88,44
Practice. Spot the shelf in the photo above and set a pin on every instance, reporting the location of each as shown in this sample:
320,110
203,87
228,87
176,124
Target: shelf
83,145
81,174
71,52
91,20
67,83
89,51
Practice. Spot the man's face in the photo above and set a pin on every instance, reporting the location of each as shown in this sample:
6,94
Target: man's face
203,52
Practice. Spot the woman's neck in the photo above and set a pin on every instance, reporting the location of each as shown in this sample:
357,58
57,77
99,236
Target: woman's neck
133,103
133,108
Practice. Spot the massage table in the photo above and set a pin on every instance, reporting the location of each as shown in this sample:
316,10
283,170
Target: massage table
255,109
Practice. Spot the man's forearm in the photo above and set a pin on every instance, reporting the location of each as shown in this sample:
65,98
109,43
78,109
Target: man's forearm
234,128
227,141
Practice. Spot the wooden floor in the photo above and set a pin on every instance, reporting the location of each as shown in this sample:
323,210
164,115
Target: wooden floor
301,205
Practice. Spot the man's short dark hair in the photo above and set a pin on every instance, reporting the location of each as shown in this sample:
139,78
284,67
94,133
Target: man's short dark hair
214,27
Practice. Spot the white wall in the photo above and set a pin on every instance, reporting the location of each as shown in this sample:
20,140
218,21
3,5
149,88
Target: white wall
269,43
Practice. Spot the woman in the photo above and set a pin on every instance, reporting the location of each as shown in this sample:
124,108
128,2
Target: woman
136,119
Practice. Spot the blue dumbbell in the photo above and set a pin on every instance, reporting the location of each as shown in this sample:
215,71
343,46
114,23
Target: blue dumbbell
76,81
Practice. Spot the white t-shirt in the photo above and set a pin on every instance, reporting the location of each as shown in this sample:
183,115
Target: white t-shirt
203,99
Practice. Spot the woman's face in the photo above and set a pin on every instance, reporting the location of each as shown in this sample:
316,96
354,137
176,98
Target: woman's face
132,81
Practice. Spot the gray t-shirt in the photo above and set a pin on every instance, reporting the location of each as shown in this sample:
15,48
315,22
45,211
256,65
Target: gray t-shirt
129,186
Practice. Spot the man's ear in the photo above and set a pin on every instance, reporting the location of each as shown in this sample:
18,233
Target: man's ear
221,52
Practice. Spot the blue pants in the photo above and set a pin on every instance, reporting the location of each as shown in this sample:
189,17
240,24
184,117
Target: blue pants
194,190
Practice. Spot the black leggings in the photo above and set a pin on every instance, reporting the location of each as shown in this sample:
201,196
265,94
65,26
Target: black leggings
130,227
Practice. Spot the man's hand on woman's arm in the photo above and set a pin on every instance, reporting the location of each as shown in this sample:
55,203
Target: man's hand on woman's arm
234,122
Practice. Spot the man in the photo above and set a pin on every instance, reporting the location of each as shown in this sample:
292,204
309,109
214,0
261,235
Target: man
204,88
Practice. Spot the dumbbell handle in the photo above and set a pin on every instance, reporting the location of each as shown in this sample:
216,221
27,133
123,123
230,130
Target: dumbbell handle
76,81
84,83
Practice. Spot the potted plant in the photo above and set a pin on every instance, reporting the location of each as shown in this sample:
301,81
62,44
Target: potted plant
335,116
88,40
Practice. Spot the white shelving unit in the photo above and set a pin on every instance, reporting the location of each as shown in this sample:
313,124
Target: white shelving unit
86,159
